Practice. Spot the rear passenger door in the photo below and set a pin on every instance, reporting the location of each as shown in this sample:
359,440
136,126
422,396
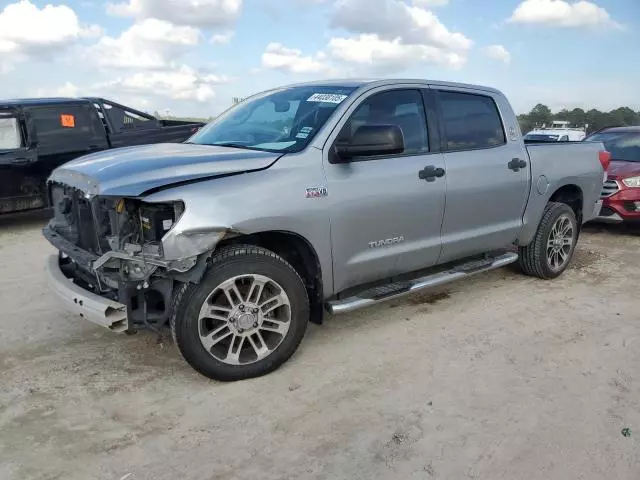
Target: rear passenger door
64,132
486,191
385,219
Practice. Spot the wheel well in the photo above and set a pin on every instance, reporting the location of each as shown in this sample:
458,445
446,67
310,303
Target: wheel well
297,251
572,196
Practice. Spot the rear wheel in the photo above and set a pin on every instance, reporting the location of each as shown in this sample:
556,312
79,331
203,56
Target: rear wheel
246,317
552,248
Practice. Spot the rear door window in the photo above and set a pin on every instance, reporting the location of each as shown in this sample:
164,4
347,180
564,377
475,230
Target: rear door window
471,121
67,128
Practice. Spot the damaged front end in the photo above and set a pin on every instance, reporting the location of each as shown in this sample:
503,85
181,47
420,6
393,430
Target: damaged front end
126,254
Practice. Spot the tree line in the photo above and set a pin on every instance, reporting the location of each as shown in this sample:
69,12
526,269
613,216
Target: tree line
595,119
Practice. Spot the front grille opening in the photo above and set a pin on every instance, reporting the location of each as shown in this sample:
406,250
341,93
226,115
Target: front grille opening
609,188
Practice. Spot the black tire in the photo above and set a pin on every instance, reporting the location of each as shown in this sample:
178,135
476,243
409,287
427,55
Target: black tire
533,259
229,262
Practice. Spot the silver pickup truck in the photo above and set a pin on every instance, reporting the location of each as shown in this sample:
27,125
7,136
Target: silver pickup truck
330,195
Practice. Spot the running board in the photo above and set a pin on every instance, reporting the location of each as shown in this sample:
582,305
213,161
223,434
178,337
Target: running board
400,289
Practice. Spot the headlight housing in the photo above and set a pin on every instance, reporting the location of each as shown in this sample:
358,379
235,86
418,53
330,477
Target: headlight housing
157,219
632,182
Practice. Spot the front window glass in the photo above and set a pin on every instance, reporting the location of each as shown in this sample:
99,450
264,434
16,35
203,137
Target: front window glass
402,108
624,146
10,138
285,120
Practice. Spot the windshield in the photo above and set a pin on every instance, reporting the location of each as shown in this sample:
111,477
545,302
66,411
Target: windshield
536,137
624,146
285,120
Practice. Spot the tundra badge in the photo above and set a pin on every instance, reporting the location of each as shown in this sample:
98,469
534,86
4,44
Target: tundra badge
386,243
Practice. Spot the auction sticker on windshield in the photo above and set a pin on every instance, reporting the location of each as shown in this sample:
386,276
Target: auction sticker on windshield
326,98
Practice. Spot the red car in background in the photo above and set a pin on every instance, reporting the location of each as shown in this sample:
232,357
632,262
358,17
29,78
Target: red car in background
621,191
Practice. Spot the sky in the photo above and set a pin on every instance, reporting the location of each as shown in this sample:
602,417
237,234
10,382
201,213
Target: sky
192,57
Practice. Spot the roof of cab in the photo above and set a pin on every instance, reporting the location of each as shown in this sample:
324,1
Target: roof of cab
375,82
17,102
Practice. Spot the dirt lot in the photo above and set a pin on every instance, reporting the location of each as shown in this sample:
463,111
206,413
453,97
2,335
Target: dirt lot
500,377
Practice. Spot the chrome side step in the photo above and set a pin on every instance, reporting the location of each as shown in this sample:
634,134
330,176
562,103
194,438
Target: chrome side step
400,289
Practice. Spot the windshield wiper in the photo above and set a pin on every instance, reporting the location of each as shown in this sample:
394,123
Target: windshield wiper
235,145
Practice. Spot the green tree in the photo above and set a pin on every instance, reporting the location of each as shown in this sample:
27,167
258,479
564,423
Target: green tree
540,114
595,119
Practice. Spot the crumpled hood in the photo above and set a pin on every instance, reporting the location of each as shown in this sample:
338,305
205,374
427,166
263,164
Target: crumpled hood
131,171
619,169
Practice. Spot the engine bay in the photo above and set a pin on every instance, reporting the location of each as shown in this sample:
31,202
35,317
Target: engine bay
113,247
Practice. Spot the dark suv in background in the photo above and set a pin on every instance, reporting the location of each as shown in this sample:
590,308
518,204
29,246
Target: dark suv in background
621,192
38,135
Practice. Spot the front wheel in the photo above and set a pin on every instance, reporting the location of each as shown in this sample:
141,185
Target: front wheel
553,245
246,317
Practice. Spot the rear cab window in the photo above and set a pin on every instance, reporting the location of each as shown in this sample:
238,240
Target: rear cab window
471,121
123,119
63,128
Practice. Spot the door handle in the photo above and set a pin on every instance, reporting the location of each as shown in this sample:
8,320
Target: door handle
516,164
20,160
430,173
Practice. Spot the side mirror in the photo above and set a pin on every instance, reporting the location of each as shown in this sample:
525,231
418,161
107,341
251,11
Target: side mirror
369,140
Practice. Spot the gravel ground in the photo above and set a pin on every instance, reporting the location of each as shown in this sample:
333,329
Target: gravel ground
497,377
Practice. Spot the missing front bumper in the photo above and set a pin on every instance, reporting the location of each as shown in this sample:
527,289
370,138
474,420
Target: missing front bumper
91,307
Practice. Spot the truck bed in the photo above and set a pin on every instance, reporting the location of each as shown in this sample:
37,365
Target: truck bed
554,165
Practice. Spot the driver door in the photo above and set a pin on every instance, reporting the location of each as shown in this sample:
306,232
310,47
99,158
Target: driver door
385,218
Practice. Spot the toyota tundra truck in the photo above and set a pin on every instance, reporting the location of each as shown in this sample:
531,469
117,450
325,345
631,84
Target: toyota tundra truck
311,197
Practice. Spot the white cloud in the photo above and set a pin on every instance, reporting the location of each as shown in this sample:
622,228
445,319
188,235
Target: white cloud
386,36
561,13
389,55
222,38
391,19
26,30
149,57
498,52
149,44
279,57
430,3
184,83
196,13
66,90
143,89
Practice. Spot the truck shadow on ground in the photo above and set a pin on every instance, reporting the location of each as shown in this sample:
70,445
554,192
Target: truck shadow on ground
613,228
25,220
